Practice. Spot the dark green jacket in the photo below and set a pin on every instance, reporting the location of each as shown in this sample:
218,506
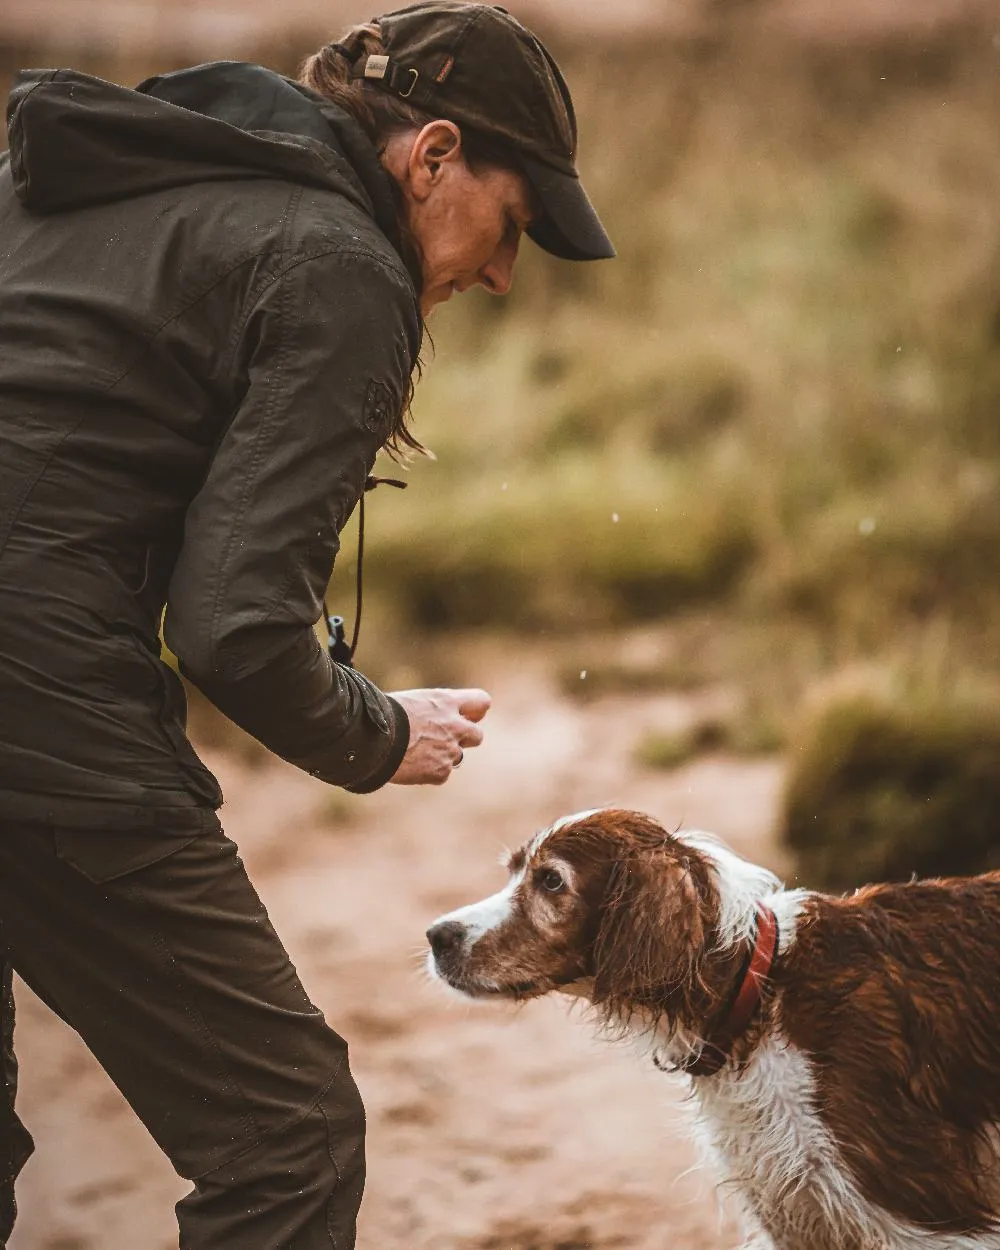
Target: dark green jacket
205,331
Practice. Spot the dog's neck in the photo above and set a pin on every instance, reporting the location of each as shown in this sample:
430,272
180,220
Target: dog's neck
743,1000
698,1029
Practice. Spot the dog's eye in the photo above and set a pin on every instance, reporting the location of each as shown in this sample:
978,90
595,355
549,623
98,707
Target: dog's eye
552,881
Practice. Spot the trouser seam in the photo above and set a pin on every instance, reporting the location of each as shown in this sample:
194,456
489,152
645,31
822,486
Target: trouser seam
194,1015
291,1122
336,1168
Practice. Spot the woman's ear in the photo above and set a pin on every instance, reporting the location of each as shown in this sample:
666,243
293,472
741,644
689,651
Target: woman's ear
651,934
435,147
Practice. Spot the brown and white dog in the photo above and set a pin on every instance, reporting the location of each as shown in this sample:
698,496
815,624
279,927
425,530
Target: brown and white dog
844,1053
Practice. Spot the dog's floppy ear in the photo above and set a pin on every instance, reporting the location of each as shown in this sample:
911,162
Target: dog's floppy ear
651,933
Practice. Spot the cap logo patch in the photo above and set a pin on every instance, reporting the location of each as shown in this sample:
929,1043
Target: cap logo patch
376,67
446,69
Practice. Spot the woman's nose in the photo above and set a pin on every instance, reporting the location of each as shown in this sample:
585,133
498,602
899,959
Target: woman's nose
497,281
497,275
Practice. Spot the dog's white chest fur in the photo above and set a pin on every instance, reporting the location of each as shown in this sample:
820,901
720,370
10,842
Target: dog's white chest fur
761,1133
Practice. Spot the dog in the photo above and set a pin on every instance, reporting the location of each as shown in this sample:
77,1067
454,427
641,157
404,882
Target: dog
843,1053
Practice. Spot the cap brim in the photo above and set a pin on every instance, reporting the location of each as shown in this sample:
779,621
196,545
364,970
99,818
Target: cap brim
570,228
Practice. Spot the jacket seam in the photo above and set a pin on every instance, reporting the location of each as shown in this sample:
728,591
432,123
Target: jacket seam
351,250
264,425
245,259
255,452
16,119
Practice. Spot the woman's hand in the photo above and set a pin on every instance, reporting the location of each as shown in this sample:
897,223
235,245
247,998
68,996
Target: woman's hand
443,725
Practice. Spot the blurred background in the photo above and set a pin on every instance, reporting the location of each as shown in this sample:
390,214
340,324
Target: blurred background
720,519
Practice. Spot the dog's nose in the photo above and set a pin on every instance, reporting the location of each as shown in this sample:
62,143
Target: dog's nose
445,937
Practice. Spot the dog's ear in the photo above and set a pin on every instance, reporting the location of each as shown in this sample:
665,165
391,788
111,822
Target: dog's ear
651,934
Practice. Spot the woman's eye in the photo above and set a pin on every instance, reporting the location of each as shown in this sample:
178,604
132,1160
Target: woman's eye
552,881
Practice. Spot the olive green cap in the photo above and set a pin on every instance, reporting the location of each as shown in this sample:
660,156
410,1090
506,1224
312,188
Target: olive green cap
476,65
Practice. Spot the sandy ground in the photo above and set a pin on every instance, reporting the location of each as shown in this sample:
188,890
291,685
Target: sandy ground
491,1128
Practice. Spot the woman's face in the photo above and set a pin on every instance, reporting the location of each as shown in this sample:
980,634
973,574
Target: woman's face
467,225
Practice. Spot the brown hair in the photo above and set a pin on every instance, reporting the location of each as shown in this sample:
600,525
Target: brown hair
378,112
380,115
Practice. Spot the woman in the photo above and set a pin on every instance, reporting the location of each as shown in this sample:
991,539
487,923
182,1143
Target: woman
212,292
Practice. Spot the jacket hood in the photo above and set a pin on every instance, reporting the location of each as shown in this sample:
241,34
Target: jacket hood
76,140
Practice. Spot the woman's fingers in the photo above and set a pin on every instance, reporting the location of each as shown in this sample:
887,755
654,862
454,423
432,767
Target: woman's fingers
473,704
443,725
471,736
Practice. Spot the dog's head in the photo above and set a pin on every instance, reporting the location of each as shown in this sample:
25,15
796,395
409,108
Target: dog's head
609,906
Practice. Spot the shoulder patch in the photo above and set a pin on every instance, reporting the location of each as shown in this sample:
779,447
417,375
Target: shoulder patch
379,409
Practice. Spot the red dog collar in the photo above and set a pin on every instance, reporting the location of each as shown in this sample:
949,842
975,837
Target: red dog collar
747,1000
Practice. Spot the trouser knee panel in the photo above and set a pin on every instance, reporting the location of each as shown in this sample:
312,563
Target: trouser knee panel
298,1189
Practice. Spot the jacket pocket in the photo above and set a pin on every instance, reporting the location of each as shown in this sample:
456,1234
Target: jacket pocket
28,446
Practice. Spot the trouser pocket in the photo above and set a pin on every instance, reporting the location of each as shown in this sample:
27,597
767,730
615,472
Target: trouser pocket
105,857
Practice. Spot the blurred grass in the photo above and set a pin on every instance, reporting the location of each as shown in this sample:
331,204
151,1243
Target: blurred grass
595,537
667,751
749,730
895,777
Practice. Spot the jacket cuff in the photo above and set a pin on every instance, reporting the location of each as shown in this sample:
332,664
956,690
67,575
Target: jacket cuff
387,769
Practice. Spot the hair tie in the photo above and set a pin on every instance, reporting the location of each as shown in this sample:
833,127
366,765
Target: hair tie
350,54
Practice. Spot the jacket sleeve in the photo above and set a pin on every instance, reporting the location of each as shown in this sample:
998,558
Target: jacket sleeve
326,355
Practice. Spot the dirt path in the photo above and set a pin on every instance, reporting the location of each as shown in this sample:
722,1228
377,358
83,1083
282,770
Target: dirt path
490,1129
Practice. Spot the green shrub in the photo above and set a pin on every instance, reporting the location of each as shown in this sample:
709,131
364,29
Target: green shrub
667,751
884,788
590,543
900,555
751,730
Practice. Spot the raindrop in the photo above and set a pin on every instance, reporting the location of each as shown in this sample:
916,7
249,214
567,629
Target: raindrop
866,525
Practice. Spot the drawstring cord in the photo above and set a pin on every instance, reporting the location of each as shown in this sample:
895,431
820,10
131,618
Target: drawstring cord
340,651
